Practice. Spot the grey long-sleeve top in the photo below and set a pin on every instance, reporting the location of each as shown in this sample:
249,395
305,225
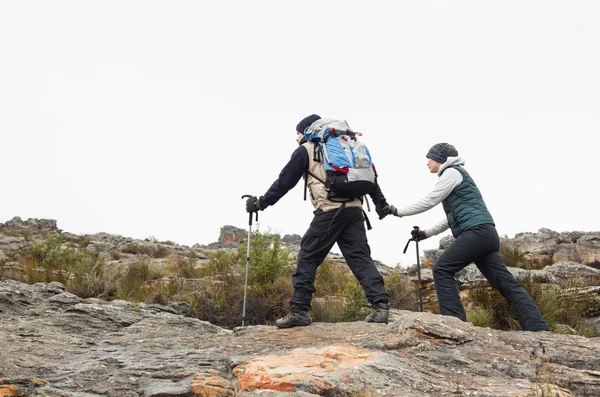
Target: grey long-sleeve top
448,180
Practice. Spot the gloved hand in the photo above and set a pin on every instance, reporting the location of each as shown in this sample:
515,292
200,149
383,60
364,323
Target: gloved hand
382,209
253,205
393,210
418,235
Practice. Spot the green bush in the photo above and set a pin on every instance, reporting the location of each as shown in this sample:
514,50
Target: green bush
481,317
268,261
356,306
404,294
180,266
331,279
513,258
220,301
81,271
329,309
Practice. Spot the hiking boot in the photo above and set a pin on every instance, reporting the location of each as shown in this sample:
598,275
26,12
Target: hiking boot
294,319
380,314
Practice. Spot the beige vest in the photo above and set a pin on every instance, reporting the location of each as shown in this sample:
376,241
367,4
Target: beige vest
317,191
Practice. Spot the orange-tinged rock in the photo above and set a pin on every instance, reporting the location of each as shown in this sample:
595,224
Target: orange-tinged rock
211,385
284,372
37,382
10,391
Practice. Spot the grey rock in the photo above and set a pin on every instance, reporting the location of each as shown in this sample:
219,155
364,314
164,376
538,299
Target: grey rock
564,329
66,298
100,246
594,324
53,287
33,223
446,242
549,246
179,308
566,270
15,221
121,303
471,277
165,387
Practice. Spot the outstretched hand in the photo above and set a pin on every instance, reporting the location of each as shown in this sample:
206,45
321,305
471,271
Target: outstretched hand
382,209
393,210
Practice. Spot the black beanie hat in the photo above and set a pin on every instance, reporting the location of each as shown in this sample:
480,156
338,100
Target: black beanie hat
441,151
306,122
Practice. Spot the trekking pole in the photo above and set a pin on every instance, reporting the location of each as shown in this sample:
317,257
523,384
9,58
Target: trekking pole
247,259
420,286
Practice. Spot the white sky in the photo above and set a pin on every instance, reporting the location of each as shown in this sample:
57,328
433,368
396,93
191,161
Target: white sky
152,118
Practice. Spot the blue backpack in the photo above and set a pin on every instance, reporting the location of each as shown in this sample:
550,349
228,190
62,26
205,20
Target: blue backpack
347,161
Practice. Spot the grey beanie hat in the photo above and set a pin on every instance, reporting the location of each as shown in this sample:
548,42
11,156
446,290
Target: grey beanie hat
441,151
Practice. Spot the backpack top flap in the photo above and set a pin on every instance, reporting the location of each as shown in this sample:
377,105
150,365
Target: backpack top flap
319,127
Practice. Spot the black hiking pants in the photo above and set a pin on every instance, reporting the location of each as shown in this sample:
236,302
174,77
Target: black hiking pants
482,246
346,228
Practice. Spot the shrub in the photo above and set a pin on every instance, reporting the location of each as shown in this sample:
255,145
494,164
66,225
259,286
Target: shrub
356,305
403,293
140,281
329,309
80,270
511,256
481,317
220,301
331,279
338,296
268,261
179,266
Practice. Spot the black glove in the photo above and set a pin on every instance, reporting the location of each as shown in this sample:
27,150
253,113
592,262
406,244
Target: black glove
418,235
382,209
393,210
253,205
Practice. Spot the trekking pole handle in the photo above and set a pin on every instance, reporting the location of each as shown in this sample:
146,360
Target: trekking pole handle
250,214
417,229
412,239
406,246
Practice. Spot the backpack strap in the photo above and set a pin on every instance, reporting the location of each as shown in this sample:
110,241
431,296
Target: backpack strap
369,227
306,174
365,200
318,158
317,152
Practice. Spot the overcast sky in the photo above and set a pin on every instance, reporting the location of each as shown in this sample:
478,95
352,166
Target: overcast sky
152,118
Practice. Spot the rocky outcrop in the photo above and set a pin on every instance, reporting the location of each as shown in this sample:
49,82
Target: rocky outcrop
32,223
18,236
550,246
292,239
54,343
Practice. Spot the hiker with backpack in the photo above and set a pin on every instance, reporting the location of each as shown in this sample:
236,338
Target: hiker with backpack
337,170
476,239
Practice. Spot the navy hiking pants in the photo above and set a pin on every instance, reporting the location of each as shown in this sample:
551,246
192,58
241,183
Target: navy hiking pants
482,246
346,227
